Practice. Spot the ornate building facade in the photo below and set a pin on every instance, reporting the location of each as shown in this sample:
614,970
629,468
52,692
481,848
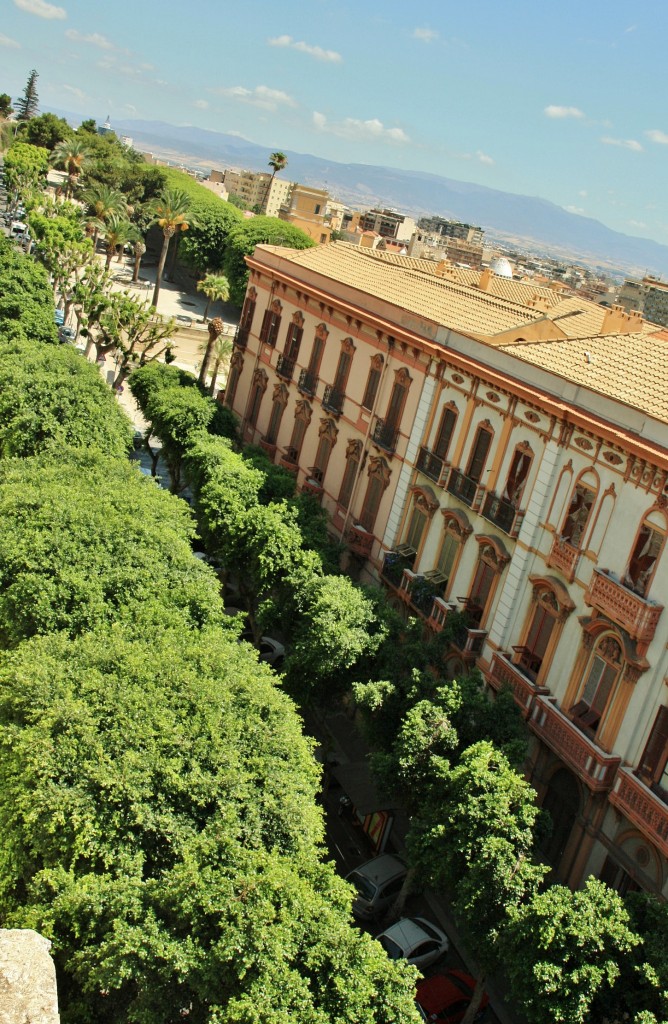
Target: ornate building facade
495,448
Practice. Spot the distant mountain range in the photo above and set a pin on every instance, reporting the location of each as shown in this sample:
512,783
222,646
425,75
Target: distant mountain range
526,221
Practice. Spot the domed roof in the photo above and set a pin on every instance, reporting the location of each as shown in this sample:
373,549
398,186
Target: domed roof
501,267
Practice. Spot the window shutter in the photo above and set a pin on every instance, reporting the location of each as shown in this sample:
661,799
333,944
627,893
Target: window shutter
342,371
316,356
444,435
656,749
395,406
446,558
479,455
371,389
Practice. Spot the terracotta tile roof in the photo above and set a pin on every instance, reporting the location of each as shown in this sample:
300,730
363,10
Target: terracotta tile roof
410,288
632,368
577,317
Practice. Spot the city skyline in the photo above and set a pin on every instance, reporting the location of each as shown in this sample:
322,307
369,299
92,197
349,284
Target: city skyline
568,108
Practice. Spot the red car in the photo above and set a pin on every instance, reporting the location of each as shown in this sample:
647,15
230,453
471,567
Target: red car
446,997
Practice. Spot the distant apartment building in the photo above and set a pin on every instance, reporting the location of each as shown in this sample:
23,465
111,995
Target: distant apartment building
388,223
258,190
649,296
431,246
307,210
452,229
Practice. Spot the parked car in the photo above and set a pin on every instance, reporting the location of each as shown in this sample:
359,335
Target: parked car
378,883
416,940
270,650
59,317
446,997
67,334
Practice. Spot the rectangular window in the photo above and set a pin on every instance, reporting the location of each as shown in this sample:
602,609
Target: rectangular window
316,355
577,515
271,323
444,435
256,400
277,410
479,454
322,458
248,314
416,525
374,493
348,482
447,555
654,760
232,384
292,342
480,591
342,371
395,406
297,440
371,389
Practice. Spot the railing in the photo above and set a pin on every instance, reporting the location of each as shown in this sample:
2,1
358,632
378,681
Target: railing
241,337
642,807
430,464
471,643
564,557
333,399
504,672
359,540
394,564
635,614
313,486
596,768
308,382
503,514
463,486
385,435
440,610
408,578
268,446
290,460
285,367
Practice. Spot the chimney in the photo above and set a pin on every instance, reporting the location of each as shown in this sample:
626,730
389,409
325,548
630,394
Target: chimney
618,321
485,278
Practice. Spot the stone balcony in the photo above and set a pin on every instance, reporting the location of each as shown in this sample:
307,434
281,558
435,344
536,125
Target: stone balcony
564,557
312,486
471,644
596,768
268,446
642,808
635,614
359,540
504,672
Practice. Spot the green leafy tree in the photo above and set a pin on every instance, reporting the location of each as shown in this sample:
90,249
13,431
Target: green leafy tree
242,240
563,948
5,105
102,202
88,126
46,130
25,171
172,213
118,232
220,359
26,298
129,331
28,104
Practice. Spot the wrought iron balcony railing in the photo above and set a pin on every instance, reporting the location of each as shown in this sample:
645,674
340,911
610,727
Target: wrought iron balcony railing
308,382
333,400
385,435
462,486
285,367
500,512
430,464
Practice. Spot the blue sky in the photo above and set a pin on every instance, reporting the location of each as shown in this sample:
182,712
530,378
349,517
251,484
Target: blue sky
566,102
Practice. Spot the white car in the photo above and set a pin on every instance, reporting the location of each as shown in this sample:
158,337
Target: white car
416,940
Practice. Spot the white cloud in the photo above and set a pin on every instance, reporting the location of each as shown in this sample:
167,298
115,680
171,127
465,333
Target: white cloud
201,104
75,91
41,9
11,44
575,209
261,96
484,158
583,193
353,128
631,144
425,35
562,112
94,39
656,135
130,108
313,51
637,224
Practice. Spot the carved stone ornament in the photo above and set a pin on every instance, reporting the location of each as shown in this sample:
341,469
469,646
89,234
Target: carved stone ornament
613,458
402,377
276,307
328,428
425,499
492,397
457,378
298,319
584,443
237,360
348,346
251,294
353,448
531,416
260,380
280,394
303,410
456,522
610,650
378,467
321,332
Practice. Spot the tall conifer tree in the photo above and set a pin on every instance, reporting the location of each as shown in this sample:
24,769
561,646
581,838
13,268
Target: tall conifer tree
28,104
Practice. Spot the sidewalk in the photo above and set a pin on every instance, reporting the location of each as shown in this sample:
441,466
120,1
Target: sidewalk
342,742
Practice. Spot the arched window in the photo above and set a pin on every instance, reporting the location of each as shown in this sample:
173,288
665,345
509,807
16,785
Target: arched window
445,431
246,321
373,381
600,680
425,504
517,475
335,393
326,440
279,402
579,511
550,605
294,338
479,453
271,323
653,767
353,456
236,366
646,552
491,561
457,529
258,388
379,478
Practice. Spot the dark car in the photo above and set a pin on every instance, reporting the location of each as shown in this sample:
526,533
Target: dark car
446,997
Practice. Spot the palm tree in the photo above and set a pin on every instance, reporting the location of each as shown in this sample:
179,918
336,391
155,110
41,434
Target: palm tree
101,202
277,161
117,231
222,350
216,327
172,212
71,155
139,247
216,287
